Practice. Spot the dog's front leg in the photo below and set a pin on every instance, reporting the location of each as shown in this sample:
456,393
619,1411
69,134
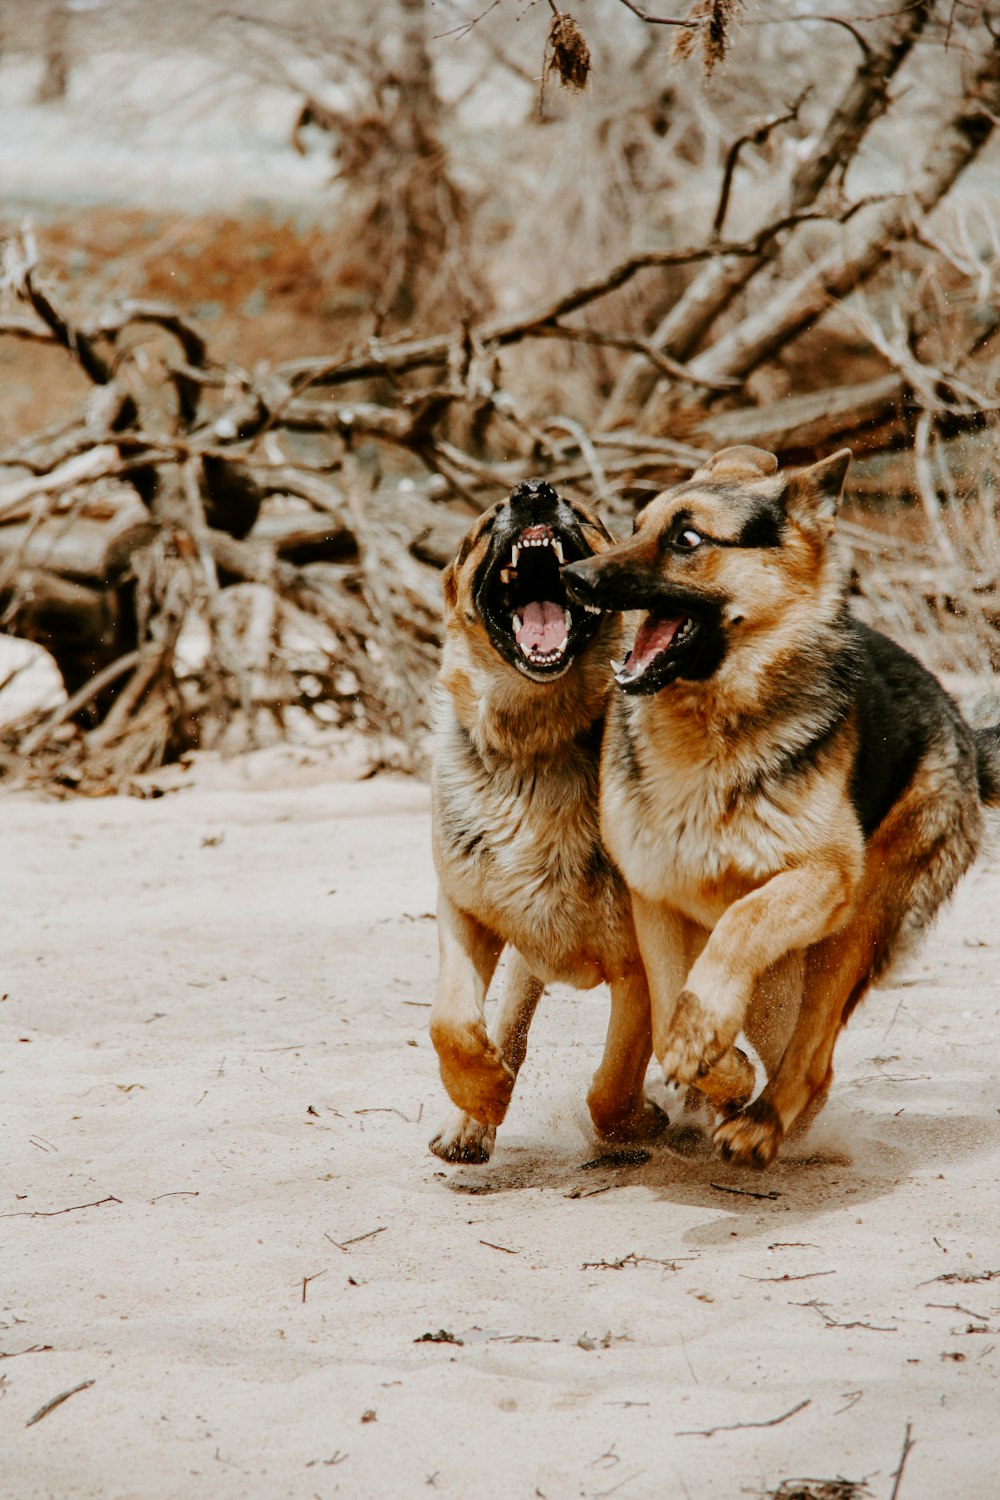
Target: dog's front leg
668,942
464,1138
617,1105
792,910
472,1070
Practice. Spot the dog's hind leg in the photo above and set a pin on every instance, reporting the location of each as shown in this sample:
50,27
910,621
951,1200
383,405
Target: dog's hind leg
774,1009
837,973
472,1070
462,1137
913,861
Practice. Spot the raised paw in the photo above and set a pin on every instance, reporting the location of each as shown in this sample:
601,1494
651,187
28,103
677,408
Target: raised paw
474,1073
751,1138
698,1038
464,1139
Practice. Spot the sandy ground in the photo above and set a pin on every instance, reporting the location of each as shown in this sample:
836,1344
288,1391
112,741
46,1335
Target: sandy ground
215,1032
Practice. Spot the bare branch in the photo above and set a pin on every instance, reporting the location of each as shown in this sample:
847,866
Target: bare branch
401,357
715,287
685,24
756,136
797,306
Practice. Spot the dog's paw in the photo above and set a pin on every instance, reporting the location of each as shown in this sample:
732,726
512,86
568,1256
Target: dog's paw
464,1139
476,1077
698,1038
648,1122
728,1086
751,1138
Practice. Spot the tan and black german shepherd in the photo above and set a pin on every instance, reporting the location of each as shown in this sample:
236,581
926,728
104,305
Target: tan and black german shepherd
789,795
523,685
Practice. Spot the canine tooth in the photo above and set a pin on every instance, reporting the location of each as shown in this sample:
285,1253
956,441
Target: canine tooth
557,549
507,575
515,553
617,666
515,620
567,616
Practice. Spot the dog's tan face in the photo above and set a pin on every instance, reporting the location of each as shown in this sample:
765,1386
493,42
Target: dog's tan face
505,586
714,562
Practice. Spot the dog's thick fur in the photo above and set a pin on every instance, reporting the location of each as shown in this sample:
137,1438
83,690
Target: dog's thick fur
516,841
789,795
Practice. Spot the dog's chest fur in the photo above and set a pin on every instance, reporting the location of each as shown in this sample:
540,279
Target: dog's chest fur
518,846
697,831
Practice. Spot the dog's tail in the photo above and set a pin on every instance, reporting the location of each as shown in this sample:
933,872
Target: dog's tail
988,764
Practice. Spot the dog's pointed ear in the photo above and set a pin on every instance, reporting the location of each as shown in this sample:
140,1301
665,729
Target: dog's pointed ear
740,462
450,586
812,494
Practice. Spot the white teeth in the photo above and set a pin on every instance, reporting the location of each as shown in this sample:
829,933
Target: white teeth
617,666
515,553
592,609
515,620
544,658
557,549
568,618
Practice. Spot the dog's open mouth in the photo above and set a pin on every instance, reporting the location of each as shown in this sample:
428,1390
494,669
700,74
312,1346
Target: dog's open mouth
524,604
660,645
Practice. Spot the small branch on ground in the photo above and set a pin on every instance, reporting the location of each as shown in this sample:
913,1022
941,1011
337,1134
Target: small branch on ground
49,1406
739,1426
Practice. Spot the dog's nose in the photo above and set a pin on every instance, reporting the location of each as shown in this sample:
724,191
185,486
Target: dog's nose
533,502
579,582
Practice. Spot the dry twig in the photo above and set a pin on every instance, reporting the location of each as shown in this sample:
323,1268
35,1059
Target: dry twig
49,1406
738,1426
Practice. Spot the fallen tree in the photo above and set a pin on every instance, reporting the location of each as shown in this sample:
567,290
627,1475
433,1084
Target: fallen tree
214,554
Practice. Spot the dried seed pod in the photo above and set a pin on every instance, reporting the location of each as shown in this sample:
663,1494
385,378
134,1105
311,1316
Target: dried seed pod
714,22
567,53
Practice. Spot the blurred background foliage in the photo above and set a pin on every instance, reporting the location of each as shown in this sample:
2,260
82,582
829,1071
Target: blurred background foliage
292,290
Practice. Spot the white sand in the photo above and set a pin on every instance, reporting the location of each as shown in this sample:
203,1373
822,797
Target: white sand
222,998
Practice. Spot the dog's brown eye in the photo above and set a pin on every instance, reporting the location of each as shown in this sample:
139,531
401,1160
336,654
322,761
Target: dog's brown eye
688,539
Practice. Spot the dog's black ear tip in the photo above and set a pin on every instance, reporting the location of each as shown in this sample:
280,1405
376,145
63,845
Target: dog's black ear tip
816,489
838,464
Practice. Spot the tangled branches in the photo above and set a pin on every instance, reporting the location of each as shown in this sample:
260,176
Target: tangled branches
214,555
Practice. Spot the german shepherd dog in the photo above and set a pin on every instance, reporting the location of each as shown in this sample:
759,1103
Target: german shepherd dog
523,685
789,795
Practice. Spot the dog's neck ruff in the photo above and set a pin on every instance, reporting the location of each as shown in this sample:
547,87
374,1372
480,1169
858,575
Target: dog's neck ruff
509,718
530,734
765,714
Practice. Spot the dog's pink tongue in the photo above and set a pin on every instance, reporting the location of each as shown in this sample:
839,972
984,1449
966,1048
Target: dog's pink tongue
654,635
543,626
